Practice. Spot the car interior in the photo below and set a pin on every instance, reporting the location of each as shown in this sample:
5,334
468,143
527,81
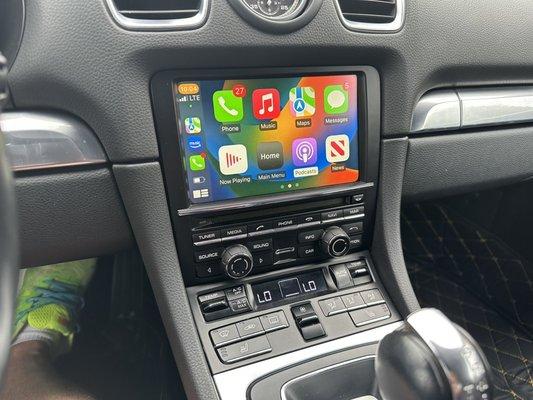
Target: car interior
283,199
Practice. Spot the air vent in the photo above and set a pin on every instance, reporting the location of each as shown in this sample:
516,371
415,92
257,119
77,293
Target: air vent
372,15
159,14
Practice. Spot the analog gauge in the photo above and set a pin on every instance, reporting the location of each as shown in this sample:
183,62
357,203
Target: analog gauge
276,9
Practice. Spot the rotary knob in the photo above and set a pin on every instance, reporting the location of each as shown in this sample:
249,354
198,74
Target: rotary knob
335,242
237,261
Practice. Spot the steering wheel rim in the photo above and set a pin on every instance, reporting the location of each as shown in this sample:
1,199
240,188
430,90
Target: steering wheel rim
8,239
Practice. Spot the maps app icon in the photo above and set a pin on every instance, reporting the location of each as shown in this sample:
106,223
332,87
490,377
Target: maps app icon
302,101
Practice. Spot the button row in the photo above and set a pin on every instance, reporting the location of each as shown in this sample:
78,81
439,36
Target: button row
280,225
247,338
350,302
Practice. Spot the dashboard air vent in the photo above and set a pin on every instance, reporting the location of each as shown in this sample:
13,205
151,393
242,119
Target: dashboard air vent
159,14
372,15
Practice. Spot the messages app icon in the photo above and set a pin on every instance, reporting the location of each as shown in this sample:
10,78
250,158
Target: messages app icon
227,107
336,100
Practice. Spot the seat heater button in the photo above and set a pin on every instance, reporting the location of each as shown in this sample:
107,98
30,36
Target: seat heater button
332,306
250,327
368,315
245,349
371,297
353,301
225,335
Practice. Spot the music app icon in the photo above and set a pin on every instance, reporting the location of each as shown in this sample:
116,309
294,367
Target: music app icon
266,103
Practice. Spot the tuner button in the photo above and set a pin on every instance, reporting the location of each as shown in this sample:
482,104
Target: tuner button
237,261
335,242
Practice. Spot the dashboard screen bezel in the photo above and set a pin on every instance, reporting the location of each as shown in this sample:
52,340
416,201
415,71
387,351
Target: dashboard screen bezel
165,111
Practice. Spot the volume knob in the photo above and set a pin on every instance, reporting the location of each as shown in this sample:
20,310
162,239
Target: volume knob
237,261
335,242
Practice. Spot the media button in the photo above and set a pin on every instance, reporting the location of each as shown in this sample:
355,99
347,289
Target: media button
235,232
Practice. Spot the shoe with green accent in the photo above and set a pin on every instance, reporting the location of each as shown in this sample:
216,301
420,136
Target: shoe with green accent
51,297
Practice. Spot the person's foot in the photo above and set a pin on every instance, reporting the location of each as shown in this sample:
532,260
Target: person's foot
49,301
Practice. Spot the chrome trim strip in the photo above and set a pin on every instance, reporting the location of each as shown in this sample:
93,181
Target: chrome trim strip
318,371
466,108
159,24
389,27
40,140
234,384
496,106
437,110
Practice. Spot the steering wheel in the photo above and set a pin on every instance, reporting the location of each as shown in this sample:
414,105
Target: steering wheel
8,239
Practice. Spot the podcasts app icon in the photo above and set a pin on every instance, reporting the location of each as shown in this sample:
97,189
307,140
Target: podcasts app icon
304,152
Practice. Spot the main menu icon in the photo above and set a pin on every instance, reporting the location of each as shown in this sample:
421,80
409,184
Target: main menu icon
304,152
233,159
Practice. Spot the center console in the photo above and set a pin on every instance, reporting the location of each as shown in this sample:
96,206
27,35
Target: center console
271,177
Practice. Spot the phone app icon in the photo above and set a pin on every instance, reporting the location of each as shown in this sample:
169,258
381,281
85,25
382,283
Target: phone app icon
336,100
194,143
233,159
197,162
269,155
266,103
227,107
304,152
193,125
302,101
337,148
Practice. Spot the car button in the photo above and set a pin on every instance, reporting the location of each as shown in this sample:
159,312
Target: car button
274,321
250,327
225,335
307,251
245,349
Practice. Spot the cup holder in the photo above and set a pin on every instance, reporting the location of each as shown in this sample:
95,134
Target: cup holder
350,380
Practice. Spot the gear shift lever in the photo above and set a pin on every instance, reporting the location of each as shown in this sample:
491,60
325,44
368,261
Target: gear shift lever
430,358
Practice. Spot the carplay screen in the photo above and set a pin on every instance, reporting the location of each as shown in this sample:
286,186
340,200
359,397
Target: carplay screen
251,137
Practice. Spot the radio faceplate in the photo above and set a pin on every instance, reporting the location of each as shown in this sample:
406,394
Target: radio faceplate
276,231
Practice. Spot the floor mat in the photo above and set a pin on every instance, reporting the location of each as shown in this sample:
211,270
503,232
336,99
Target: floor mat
480,283
509,351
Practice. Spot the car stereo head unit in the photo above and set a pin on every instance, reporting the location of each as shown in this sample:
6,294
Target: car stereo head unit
265,167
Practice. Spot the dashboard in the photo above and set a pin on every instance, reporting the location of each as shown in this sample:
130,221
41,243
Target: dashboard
258,152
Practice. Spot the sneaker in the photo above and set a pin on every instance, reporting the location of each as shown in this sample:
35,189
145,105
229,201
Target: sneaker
49,302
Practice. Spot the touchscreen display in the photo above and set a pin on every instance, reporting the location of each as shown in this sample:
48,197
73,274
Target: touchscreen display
251,137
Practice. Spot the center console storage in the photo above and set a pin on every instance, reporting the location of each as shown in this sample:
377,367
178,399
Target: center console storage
271,177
